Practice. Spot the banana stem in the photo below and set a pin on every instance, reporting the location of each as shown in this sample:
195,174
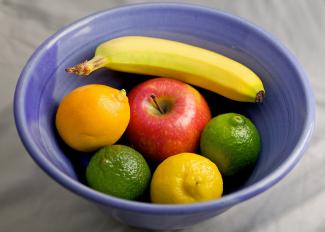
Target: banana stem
87,67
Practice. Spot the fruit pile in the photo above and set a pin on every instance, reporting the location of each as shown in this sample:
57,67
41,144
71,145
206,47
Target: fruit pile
166,122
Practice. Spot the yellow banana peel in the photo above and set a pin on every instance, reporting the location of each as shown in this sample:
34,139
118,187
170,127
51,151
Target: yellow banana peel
187,63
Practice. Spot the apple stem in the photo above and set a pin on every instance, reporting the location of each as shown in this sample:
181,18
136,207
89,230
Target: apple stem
153,97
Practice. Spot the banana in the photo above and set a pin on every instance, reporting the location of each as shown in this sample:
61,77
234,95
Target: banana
187,63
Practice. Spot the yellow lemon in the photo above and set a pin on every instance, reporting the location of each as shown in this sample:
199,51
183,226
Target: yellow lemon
92,116
186,178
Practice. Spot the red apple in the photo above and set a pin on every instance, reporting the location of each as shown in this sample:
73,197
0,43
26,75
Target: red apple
167,118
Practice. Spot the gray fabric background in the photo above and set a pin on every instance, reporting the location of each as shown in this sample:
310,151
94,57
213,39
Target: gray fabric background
31,201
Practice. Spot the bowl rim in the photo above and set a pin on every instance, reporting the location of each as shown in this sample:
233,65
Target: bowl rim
222,203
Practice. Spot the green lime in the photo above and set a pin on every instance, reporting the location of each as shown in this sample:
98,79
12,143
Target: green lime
232,142
120,171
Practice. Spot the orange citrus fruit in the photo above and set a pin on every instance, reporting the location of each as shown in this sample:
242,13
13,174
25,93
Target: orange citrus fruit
186,178
92,116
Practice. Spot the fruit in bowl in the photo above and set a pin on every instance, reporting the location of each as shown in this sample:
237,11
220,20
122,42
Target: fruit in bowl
92,116
186,178
232,142
43,83
161,57
167,118
120,171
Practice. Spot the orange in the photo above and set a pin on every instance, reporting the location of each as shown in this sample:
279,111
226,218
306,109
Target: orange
92,116
186,178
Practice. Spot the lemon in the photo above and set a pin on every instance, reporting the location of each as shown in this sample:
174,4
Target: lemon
92,116
232,142
120,171
186,178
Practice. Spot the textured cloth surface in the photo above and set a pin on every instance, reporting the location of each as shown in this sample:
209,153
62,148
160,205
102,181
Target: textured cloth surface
32,201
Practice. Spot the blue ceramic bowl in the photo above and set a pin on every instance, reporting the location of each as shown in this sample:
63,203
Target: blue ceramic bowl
285,120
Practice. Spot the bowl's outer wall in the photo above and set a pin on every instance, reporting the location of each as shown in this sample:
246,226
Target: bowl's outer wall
281,119
161,221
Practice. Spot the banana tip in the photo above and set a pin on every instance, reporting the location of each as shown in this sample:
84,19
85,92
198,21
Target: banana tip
260,96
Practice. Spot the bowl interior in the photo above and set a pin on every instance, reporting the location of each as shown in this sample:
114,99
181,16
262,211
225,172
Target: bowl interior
280,119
